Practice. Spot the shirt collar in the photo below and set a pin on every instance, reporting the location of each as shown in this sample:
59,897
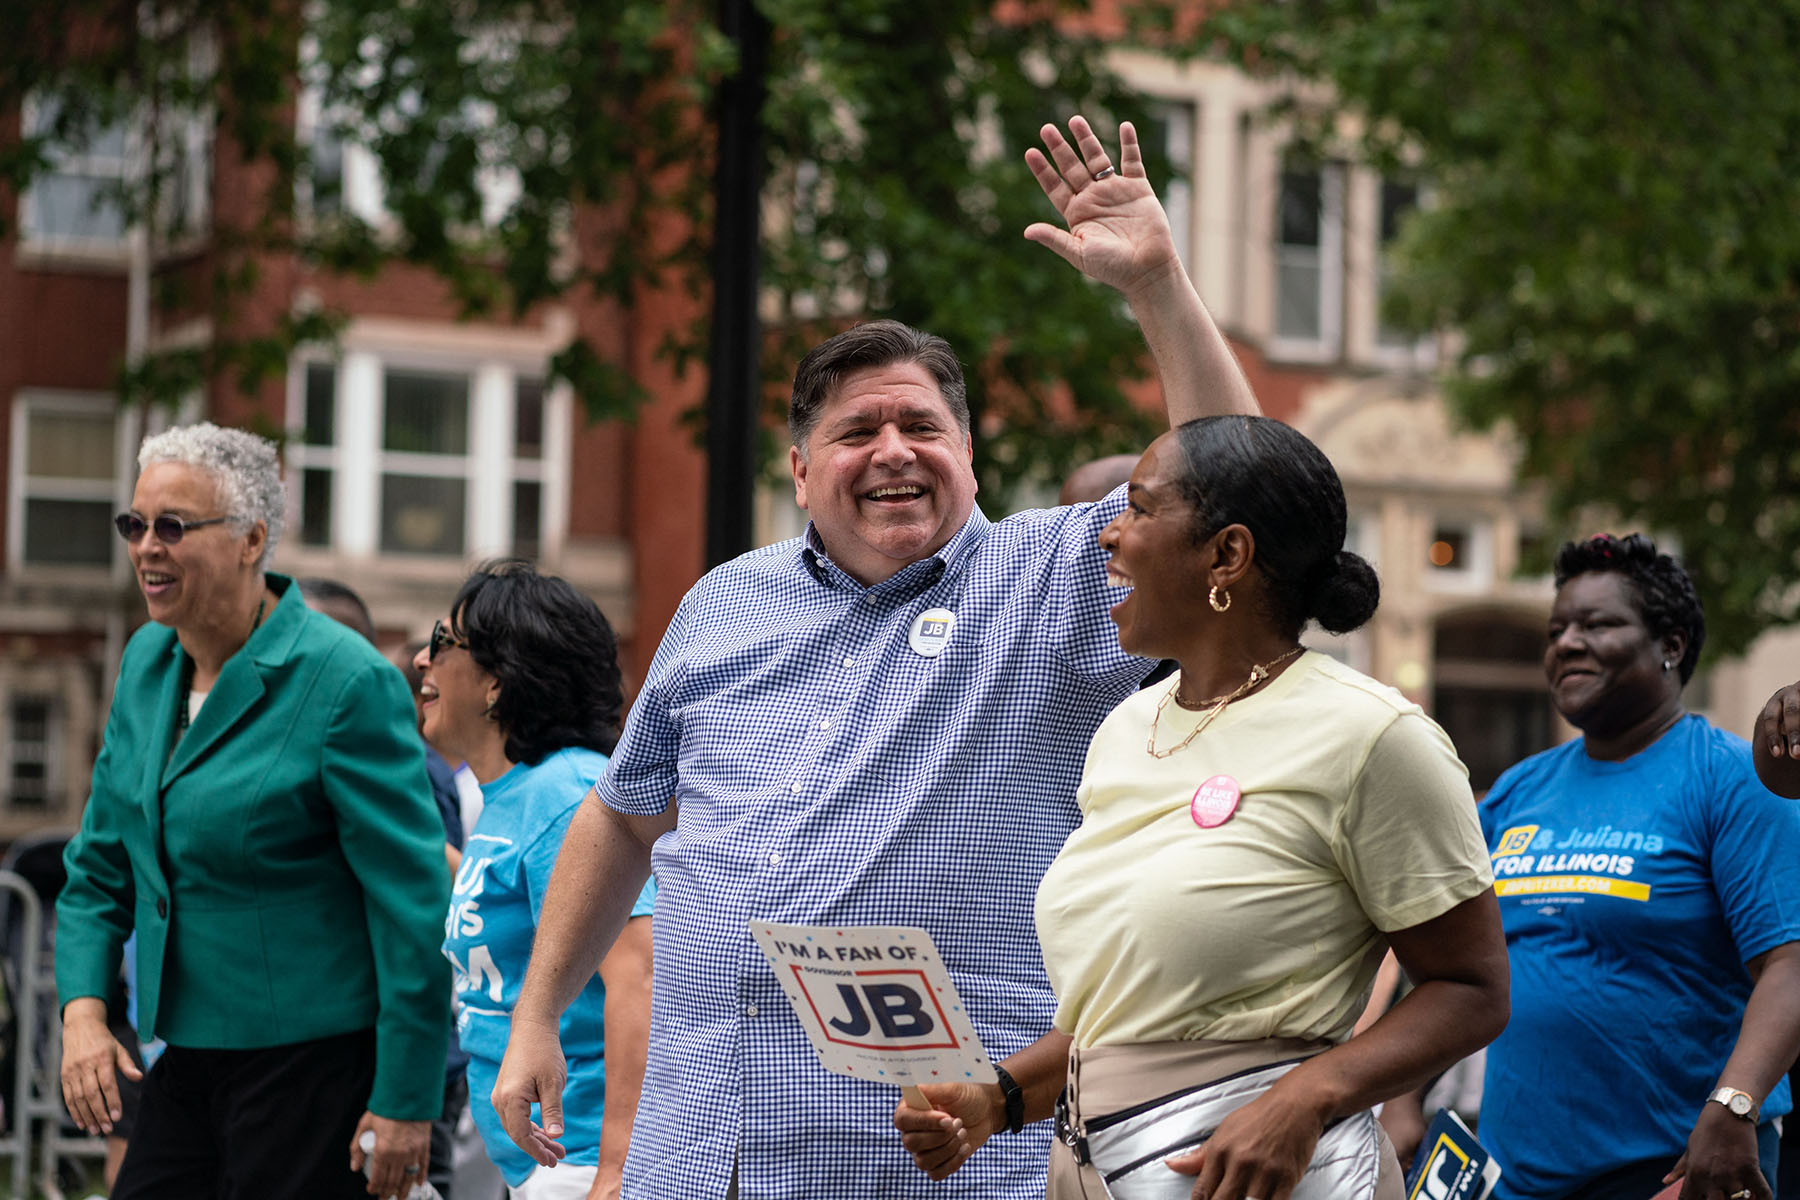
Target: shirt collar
909,580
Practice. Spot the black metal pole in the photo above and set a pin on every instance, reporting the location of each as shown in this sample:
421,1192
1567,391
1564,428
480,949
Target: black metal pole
734,382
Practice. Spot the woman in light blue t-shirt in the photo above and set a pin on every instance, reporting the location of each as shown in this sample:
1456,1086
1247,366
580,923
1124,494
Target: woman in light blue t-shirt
1650,891
521,682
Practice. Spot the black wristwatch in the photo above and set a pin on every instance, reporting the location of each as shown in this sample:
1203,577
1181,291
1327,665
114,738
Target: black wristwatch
1015,1099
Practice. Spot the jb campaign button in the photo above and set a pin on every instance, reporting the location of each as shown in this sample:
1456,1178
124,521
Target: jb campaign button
930,632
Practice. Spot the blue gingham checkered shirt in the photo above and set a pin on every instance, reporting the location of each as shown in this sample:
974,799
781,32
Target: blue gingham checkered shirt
825,772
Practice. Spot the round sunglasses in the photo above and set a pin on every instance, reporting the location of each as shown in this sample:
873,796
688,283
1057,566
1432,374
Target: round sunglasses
168,528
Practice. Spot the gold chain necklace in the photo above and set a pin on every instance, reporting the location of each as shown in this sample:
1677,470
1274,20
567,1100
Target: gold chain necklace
1215,706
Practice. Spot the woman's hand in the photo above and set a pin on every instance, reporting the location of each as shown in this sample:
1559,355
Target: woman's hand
1261,1151
1117,231
91,1059
1720,1159
962,1118
399,1145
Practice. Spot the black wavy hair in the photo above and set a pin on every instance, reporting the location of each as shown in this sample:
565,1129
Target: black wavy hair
1268,477
1666,598
553,653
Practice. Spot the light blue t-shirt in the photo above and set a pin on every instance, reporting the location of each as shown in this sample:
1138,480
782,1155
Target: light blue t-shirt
1632,893
493,916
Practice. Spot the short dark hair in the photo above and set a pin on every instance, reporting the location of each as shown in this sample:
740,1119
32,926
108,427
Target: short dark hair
552,652
872,344
320,593
1266,476
1665,595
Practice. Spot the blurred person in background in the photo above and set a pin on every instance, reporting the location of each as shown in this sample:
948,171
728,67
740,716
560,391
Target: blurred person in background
260,816
521,681
1650,889
1776,750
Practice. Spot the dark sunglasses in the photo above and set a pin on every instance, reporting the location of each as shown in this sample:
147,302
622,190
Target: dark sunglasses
168,528
442,638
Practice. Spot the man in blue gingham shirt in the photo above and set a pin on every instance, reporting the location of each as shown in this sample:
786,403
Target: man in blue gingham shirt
881,722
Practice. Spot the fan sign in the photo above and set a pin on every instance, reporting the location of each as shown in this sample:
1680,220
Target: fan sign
876,1002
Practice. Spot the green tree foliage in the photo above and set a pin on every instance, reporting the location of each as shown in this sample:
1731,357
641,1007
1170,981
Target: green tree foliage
1615,237
894,132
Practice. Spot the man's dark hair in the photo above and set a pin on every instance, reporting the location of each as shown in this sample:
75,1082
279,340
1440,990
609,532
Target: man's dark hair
338,601
874,344
1666,598
1266,476
553,653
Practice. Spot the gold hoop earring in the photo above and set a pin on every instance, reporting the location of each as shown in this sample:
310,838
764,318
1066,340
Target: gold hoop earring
1212,598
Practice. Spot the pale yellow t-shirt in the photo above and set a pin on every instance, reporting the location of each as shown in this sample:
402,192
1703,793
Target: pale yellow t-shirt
1355,817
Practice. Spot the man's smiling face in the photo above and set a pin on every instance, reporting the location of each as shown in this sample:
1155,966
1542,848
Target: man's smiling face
887,474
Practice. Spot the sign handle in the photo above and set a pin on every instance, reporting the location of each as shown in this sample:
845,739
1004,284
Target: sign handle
915,1098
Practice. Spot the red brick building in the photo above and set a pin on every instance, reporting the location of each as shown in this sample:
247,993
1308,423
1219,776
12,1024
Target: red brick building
416,445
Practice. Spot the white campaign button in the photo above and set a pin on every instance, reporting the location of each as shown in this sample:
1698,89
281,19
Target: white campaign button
930,631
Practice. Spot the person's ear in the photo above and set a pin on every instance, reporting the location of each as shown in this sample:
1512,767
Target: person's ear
1232,551
797,464
254,541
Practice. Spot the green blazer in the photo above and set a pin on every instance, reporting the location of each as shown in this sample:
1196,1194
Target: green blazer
283,865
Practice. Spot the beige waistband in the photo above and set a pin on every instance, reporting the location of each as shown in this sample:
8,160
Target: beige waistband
1107,1079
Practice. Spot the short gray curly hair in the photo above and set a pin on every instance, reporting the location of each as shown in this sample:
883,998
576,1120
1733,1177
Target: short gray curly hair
247,467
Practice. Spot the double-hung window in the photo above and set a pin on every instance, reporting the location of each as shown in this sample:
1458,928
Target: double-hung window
405,456
1309,261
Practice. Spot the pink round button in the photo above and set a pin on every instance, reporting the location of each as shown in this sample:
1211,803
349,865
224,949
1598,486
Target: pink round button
1215,801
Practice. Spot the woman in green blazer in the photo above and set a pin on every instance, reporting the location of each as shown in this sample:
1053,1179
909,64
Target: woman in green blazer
260,815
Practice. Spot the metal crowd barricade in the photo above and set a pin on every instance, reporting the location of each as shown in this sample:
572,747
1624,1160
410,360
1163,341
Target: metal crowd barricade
22,995
34,1094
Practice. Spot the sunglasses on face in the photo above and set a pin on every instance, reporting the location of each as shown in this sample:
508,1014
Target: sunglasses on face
442,639
168,528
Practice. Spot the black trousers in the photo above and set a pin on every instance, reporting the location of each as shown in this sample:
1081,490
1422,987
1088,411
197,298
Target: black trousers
269,1124
1638,1181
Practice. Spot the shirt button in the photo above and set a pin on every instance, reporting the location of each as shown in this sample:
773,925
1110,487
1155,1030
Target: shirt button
849,662
797,786
775,859
825,724
750,1011
162,907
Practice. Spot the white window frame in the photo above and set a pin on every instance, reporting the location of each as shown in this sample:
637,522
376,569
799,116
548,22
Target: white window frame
1475,574
33,237
1420,353
49,752
1329,344
1180,117
491,466
22,487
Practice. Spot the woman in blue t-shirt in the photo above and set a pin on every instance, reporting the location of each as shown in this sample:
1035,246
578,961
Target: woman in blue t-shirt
1650,891
521,682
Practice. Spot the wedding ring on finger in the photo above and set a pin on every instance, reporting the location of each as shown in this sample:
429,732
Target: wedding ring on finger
1741,1194
1105,173
410,1169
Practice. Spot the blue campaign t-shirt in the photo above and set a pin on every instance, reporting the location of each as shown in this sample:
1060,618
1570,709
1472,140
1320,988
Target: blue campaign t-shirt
1632,893
493,916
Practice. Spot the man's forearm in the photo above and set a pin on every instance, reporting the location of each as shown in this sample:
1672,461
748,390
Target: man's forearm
599,873
1200,374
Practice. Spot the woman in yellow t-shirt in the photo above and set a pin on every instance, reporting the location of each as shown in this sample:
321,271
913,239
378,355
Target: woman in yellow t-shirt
1256,833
